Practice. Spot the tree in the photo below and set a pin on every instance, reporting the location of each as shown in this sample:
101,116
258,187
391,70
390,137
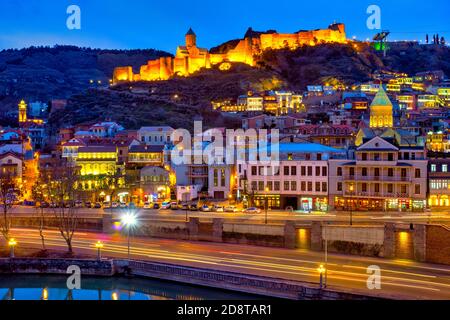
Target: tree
62,187
443,41
38,192
7,185
427,39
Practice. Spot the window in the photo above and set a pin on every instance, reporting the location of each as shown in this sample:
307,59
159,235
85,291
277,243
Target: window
254,185
309,171
364,172
310,186
216,179
270,185
319,157
277,186
444,168
417,189
286,171
317,171
303,169
303,185
254,170
261,171
403,173
390,188
222,177
377,187
364,156
364,187
290,157
377,172
261,185
317,186
293,185
433,168
352,171
324,187
403,189
339,172
376,157
390,157
390,172
417,173
324,171
286,186
293,171
143,138
339,186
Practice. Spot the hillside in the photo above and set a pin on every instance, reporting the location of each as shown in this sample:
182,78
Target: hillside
59,72
44,73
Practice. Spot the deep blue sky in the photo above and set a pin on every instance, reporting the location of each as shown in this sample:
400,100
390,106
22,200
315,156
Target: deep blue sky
162,24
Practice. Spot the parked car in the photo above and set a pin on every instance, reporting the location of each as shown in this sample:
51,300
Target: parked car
115,205
205,208
217,208
78,204
174,206
165,206
147,205
183,206
97,205
44,204
53,205
156,206
106,204
88,204
123,205
231,209
193,207
252,210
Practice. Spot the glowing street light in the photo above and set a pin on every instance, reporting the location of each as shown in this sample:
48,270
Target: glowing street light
12,243
321,271
129,220
44,294
266,205
99,246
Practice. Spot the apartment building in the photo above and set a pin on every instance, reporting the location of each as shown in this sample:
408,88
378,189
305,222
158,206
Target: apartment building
381,177
299,180
439,182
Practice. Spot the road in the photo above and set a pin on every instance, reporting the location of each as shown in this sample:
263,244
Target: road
399,278
273,216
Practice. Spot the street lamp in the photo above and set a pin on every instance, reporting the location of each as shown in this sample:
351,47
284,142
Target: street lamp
351,205
266,205
321,271
12,243
99,246
129,220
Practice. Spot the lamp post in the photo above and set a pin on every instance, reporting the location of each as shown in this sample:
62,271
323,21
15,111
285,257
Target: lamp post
266,205
129,220
321,271
99,246
12,243
351,205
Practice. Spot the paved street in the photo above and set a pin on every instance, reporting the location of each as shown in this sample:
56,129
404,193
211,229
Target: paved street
400,278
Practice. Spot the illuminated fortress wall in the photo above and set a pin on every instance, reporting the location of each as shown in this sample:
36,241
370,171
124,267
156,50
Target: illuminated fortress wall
190,58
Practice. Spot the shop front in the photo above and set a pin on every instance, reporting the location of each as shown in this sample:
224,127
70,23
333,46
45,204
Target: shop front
273,201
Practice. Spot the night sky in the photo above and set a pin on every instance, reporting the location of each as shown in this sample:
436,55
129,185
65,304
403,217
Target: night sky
162,24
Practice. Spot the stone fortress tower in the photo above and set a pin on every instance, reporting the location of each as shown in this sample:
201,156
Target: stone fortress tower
190,58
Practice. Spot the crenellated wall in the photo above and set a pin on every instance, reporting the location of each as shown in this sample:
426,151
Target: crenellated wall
190,58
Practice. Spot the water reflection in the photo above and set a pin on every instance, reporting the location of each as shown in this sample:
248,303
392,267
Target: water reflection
32,287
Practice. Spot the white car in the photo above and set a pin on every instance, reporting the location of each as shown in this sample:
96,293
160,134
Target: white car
165,206
231,209
114,205
218,209
252,210
205,208
147,205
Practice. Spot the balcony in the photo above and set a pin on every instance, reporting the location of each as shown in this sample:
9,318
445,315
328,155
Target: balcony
376,194
376,178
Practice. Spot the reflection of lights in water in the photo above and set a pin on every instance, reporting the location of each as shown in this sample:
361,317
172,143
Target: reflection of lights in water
114,296
45,294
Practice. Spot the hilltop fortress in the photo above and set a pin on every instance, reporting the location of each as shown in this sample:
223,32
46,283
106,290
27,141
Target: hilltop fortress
190,58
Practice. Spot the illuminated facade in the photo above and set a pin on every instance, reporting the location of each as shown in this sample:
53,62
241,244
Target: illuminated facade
190,58
439,182
22,112
381,111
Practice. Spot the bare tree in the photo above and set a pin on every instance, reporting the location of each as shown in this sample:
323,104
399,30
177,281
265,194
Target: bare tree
7,185
62,186
38,192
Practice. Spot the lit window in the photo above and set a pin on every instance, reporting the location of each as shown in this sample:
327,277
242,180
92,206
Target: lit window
444,168
433,168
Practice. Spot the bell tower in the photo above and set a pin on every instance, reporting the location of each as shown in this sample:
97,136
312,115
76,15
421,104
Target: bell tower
381,113
191,39
22,112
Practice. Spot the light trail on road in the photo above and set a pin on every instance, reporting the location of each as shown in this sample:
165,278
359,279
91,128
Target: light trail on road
422,280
